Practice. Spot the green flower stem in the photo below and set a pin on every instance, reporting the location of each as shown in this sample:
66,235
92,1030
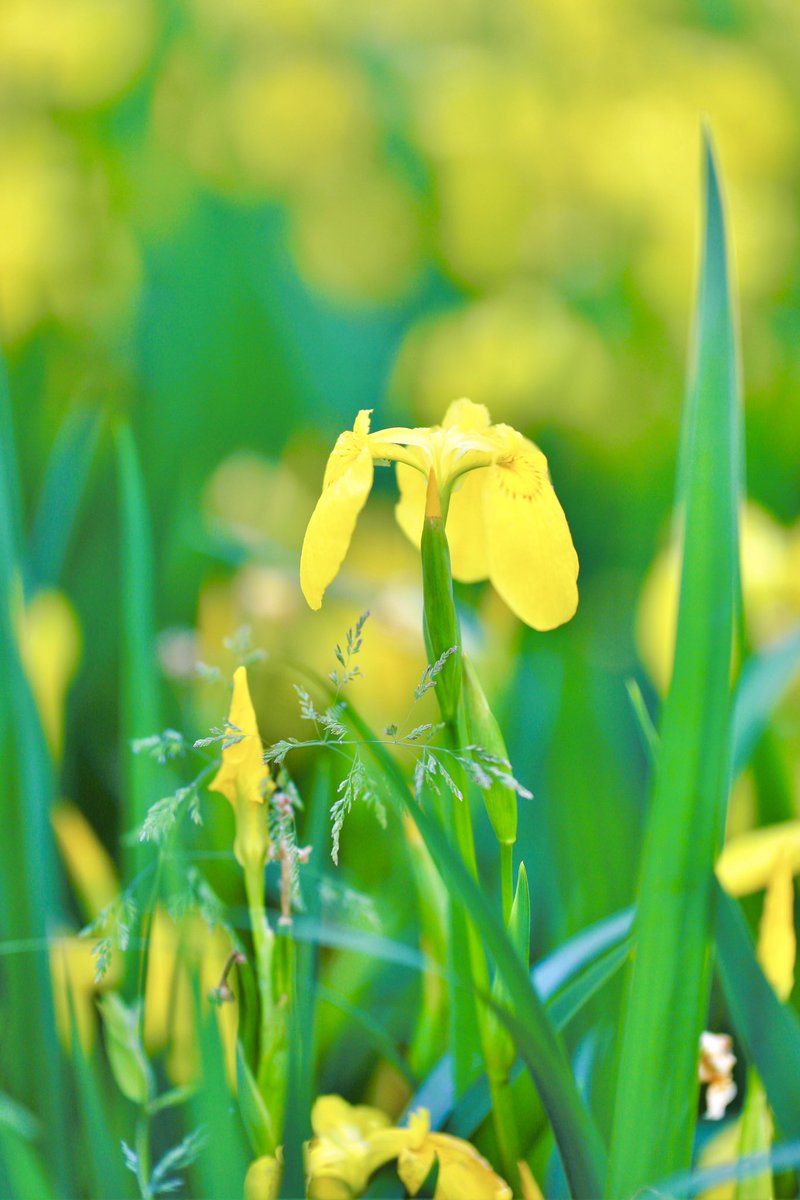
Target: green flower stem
507,878
263,946
503,1114
443,634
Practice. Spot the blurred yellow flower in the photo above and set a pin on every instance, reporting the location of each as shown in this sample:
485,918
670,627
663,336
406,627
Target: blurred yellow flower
181,950
462,1171
777,939
769,583
73,969
504,521
352,1142
73,52
50,646
65,254
747,862
242,777
768,859
88,864
263,1179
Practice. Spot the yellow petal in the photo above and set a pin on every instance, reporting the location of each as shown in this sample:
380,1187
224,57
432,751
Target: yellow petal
347,483
532,561
334,1118
242,771
746,864
263,1178
465,528
410,508
73,969
462,1171
464,414
777,941
466,531
89,866
50,644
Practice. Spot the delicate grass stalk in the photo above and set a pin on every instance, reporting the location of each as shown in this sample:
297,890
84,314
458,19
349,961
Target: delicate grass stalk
669,983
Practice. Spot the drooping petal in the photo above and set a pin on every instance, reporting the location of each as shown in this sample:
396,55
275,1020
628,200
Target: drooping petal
465,528
748,861
532,561
462,1170
410,508
777,940
466,531
347,483
242,771
465,414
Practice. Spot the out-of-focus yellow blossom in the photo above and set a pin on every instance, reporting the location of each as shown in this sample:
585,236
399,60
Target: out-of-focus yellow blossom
462,1171
521,350
73,969
179,950
351,1142
748,861
50,647
504,521
67,257
317,112
75,53
777,939
768,859
769,584
89,867
357,238
242,777
263,1179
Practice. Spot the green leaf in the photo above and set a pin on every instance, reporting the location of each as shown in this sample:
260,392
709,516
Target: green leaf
255,1117
126,1056
105,1170
64,484
537,1041
764,680
669,982
140,707
29,865
21,1170
694,1183
768,1030
755,1138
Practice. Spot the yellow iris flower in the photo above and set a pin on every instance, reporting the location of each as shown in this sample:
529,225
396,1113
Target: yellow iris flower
351,1142
503,519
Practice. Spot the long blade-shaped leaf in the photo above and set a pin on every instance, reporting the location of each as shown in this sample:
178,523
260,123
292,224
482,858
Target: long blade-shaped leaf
33,876
139,682
764,680
62,491
769,1030
670,978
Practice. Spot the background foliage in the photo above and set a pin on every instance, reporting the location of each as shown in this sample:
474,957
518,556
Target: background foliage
226,227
